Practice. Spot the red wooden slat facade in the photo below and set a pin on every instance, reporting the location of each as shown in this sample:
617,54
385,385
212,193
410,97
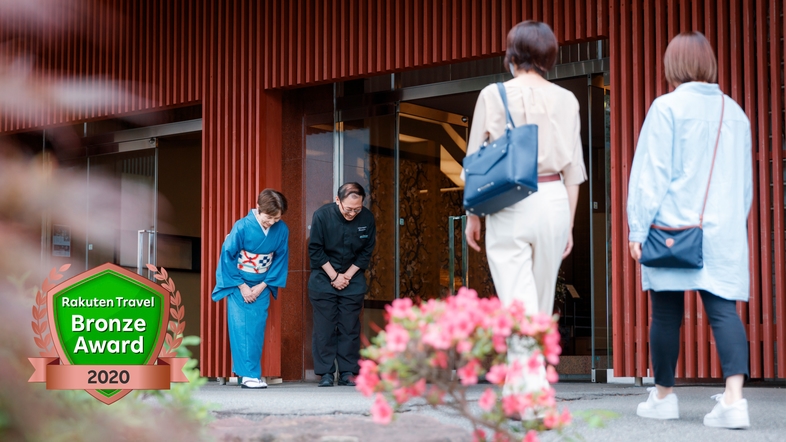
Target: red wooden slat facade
233,56
748,37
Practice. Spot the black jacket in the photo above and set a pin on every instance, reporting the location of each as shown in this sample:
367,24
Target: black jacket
343,243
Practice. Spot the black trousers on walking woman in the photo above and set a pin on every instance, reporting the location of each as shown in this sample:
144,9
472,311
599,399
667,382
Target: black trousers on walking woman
667,315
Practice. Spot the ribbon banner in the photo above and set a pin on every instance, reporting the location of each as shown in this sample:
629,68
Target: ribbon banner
124,377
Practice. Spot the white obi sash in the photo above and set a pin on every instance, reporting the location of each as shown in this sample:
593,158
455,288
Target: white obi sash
254,262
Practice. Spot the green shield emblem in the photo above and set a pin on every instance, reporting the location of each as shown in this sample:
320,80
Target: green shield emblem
108,316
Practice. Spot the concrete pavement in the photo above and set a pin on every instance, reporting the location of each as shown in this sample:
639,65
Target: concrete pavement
302,411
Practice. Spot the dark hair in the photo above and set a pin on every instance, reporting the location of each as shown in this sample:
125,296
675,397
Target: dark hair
349,189
532,45
689,57
272,202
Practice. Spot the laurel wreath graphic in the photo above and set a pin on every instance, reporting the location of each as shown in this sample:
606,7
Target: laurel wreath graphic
177,325
43,337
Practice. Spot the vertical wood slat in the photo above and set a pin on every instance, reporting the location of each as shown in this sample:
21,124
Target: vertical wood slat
777,101
765,224
618,239
754,327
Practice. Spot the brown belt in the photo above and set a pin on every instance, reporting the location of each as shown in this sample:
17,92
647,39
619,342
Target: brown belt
548,178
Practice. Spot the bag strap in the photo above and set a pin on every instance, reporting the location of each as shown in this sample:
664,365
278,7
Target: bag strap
504,96
714,154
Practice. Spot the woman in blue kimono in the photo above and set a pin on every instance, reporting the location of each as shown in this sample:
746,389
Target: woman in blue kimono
252,266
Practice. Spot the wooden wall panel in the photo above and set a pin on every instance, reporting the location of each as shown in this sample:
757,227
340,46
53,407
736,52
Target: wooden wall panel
120,57
241,156
343,39
748,39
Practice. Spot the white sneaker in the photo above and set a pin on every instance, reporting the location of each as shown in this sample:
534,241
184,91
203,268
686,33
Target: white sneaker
728,416
253,383
654,408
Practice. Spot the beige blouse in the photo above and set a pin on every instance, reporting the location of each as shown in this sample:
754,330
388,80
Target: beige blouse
556,112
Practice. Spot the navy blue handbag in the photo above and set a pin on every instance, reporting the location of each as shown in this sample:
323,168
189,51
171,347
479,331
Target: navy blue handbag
503,172
679,247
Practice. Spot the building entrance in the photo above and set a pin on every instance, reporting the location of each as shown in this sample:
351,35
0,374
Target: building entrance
140,194
405,143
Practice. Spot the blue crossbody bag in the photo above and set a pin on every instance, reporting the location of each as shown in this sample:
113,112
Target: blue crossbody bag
503,172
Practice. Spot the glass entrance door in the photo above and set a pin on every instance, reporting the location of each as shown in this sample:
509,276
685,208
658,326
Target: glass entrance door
121,212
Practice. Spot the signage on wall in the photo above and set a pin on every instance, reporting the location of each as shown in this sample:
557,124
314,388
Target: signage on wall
61,240
108,331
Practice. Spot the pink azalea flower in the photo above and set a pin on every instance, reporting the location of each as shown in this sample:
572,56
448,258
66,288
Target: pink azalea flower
478,436
418,388
396,337
381,412
501,437
511,404
400,308
534,363
436,338
551,347
566,418
515,369
551,375
401,395
366,382
368,366
440,360
468,373
502,325
497,374
464,347
487,399
500,343
532,436
546,398
542,322
551,420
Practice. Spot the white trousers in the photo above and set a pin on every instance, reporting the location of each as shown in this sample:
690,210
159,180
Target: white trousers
524,244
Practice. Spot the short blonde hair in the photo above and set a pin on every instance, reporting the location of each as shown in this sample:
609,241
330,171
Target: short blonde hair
689,57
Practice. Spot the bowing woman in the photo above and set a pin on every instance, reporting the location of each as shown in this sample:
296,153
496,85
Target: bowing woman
252,266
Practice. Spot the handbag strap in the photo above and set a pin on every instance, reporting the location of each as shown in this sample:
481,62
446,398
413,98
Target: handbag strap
504,96
714,154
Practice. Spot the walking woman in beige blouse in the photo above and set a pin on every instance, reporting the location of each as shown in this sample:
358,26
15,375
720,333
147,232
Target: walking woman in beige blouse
526,242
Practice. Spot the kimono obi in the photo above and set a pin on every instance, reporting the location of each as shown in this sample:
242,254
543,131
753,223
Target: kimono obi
254,262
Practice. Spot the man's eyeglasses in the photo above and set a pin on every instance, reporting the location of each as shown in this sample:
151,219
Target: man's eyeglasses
349,211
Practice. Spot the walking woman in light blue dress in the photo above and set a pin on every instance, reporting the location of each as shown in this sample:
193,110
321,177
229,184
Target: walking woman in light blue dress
668,182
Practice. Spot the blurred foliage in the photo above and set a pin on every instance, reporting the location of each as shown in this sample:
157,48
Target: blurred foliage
180,396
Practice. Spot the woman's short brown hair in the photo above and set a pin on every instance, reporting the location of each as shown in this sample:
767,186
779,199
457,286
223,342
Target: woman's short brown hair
272,202
532,45
689,57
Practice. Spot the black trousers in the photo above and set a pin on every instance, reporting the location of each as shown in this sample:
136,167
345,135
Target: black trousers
336,333
667,314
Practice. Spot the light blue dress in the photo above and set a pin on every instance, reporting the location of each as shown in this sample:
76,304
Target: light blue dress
669,178
250,255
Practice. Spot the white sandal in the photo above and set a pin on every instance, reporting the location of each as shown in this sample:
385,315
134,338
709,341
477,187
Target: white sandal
253,383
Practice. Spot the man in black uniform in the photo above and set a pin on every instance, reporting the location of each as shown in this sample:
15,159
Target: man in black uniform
342,239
